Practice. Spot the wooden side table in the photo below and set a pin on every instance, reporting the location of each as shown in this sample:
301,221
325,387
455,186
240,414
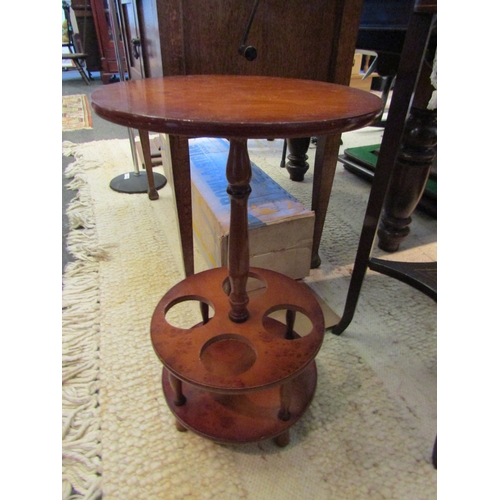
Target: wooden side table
238,376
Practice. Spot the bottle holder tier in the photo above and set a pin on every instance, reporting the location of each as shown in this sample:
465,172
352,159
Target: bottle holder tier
239,382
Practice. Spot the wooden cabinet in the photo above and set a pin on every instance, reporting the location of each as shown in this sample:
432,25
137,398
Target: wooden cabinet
296,39
132,37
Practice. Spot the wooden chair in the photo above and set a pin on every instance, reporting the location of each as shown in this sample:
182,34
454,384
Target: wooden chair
420,275
75,53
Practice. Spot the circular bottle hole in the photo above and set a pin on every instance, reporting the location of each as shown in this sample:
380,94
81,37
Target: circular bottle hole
188,313
228,355
293,323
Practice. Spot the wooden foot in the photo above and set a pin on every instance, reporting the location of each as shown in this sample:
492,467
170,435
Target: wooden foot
148,164
283,439
179,426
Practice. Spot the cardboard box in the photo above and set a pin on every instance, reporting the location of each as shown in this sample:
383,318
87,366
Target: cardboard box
280,227
154,145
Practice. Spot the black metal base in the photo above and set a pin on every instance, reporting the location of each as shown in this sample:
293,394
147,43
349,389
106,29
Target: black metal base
133,182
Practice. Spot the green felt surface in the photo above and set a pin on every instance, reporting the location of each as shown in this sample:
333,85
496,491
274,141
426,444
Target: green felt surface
367,156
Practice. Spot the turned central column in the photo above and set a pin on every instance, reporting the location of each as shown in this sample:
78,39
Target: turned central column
239,174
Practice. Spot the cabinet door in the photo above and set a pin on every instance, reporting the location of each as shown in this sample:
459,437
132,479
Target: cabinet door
102,19
132,39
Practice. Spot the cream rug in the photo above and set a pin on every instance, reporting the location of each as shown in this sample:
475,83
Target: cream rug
363,437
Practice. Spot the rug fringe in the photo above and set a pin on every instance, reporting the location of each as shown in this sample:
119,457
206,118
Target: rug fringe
81,434
75,169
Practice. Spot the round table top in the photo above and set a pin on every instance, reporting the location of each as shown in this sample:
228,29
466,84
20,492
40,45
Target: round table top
236,106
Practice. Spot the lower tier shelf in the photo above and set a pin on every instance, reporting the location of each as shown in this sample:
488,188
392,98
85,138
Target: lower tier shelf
241,418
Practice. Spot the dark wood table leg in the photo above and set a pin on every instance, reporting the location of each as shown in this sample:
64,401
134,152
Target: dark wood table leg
417,150
325,164
297,164
148,164
283,439
411,171
181,180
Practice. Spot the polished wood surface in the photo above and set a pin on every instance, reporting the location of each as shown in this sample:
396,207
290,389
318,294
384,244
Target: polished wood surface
236,106
261,355
240,106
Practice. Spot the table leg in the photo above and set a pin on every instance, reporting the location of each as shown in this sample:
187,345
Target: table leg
290,323
325,164
283,439
285,401
176,385
181,180
297,164
411,171
148,164
239,174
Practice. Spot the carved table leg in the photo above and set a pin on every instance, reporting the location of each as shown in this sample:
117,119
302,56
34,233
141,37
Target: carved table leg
297,164
413,164
239,174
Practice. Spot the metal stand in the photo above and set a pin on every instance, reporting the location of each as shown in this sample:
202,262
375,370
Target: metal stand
136,181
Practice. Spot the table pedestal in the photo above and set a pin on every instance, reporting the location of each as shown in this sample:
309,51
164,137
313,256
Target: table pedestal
239,376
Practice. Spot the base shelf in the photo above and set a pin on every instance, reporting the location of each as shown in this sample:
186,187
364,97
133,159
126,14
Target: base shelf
243,418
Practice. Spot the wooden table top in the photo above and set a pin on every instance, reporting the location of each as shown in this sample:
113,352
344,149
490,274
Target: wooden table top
236,106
